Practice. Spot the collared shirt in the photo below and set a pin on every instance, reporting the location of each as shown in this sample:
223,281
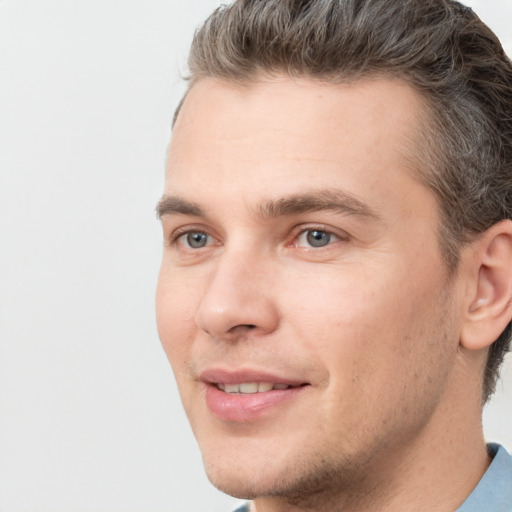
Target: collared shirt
492,494
494,491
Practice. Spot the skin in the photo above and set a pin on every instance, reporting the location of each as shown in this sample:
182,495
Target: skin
372,321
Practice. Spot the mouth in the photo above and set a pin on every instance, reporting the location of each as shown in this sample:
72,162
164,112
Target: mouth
246,395
249,388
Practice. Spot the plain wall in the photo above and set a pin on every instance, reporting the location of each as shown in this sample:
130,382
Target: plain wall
89,416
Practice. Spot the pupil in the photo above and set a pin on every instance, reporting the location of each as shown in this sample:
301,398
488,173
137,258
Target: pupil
196,240
318,238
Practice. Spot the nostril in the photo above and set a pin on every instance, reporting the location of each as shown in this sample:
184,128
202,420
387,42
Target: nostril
242,328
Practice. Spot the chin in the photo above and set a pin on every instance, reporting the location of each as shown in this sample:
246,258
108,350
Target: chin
294,480
239,484
244,477
244,464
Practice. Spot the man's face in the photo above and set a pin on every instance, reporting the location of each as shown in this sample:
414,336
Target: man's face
301,260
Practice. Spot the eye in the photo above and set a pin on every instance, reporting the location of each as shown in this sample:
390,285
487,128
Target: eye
316,238
194,239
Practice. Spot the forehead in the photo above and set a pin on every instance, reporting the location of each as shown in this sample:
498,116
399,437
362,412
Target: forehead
284,90
296,133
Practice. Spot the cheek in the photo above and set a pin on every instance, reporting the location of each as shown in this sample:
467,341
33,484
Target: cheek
175,317
365,326
338,312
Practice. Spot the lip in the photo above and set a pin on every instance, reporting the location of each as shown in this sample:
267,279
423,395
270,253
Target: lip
245,408
215,376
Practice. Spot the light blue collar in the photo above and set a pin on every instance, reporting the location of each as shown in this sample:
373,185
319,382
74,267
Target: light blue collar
494,491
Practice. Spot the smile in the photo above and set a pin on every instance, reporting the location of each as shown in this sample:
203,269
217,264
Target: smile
249,388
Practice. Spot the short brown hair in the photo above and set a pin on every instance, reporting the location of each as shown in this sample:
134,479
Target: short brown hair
438,46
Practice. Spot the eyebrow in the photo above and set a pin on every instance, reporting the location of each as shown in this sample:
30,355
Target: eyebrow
320,200
172,204
335,200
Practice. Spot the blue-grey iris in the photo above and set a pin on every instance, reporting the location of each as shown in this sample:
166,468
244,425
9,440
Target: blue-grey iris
197,240
318,238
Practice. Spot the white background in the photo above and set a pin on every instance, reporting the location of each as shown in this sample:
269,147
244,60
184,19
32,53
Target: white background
89,417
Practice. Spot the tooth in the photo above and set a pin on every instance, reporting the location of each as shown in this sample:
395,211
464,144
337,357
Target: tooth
249,387
232,388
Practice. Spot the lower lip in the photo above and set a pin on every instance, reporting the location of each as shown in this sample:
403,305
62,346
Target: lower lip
246,407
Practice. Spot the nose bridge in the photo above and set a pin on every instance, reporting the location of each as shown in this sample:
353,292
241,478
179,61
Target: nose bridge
238,296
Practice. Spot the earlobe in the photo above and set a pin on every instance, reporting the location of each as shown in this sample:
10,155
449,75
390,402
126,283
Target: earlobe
489,305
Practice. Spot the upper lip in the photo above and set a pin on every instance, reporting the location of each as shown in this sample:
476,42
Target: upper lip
217,375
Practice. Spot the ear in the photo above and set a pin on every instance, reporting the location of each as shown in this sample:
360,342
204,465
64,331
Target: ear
488,307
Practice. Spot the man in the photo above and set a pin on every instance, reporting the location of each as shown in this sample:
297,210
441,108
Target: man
336,284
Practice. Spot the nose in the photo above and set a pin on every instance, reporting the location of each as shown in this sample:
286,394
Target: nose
238,300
